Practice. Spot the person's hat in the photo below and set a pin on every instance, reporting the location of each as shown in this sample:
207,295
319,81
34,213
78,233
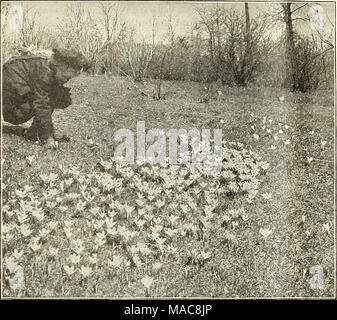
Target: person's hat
71,58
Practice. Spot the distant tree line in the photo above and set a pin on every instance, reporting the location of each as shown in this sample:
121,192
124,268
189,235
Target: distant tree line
225,45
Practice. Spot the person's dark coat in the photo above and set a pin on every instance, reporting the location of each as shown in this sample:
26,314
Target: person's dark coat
31,91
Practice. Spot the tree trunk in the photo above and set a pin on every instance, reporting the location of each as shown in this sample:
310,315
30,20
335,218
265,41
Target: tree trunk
290,47
219,51
246,58
247,21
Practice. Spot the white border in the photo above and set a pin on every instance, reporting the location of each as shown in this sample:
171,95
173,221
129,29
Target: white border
187,298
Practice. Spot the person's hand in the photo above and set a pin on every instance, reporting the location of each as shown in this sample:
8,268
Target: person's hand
51,143
63,138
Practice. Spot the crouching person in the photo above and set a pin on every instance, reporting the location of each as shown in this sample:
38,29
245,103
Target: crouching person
33,88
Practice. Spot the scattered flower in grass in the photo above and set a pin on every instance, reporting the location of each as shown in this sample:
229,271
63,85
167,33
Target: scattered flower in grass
80,205
30,159
309,159
326,228
21,194
74,258
267,195
85,271
93,258
100,239
96,223
68,223
245,217
71,196
35,245
21,216
133,249
69,270
266,232
10,262
68,182
204,255
147,282
264,165
53,251
44,232
17,254
137,261
116,261
7,237
110,222
170,232
157,266
160,241
78,246
25,230
52,225
94,210
74,171
143,248
68,232
112,231
49,179
38,214
286,142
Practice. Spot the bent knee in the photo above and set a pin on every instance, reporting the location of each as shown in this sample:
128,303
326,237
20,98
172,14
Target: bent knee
16,115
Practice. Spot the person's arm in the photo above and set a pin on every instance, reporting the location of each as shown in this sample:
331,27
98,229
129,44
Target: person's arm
60,97
42,108
43,114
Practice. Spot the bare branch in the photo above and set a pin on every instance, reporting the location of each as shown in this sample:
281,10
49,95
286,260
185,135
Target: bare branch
298,8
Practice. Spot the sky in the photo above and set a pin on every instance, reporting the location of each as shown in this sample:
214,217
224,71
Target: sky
140,14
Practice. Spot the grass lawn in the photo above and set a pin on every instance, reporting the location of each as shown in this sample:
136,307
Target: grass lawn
81,225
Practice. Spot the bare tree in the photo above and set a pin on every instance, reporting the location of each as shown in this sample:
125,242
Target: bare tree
138,54
170,28
306,56
5,33
210,24
326,45
247,55
28,31
235,43
111,20
290,46
115,32
78,29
